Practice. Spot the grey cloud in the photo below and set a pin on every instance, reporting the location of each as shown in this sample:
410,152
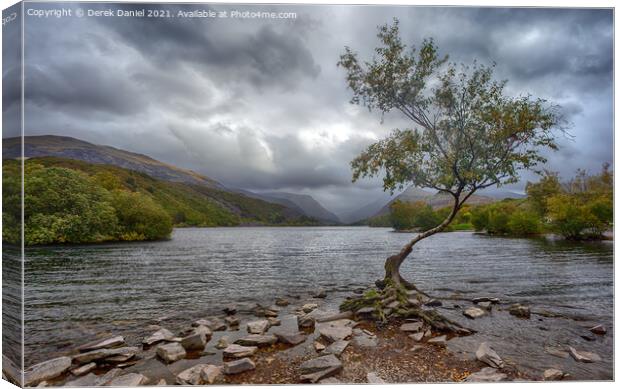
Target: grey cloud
261,104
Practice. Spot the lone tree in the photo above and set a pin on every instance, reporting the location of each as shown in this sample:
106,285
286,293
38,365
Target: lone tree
466,134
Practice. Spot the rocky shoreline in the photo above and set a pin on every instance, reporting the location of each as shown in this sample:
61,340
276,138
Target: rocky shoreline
288,343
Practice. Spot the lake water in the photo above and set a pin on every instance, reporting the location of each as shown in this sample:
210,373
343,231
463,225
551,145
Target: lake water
76,293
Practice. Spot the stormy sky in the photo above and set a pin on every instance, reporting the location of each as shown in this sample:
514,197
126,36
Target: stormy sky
261,105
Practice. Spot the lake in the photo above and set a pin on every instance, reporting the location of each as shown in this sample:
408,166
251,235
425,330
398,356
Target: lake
74,293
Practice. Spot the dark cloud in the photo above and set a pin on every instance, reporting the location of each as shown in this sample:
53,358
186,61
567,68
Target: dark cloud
261,104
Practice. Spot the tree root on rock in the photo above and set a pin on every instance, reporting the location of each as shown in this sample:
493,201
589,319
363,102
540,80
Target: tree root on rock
407,306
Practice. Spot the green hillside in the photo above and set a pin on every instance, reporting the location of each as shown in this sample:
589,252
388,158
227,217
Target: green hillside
70,201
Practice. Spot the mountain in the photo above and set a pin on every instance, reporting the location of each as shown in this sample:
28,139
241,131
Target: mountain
436,200
499,194
243,204
67,147
307,204
186,204
362,213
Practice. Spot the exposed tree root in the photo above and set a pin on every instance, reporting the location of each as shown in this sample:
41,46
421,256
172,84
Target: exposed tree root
402,300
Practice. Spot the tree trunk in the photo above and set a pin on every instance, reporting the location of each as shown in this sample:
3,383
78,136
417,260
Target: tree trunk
393,263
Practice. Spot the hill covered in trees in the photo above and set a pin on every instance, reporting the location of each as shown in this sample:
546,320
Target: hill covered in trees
71,201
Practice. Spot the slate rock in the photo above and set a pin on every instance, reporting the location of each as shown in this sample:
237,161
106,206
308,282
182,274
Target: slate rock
474,312
488,374
113,341
94,355
319,364
210,373
418,336
292,338
257,340
171,352
84,369
238,351
191,376
46,370
584,356
487,355
336,348
552,375
258,327
334,333
196,341
440,340
519,310
158,336
239,366
131,379
411,327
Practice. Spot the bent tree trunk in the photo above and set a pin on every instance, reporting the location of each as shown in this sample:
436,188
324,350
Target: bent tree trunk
393,263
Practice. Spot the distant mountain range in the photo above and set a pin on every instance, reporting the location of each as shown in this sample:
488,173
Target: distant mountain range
436,200
296,204
72,148
76,149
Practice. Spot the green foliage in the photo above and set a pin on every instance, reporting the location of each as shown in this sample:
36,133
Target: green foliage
472,136
406,216
421,216
507,217
538,193
140,218
579,209
70,201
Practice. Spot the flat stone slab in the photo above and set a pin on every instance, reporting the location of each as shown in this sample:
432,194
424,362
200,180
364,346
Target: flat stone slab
191,376
105,353
321,375
487,355
113,341
336,348
257,340
78,371
438,340
239,366
334,333
584,356
319,364
87,380
365,341
211,373
195,341
158,336
258,327
238,351
412,327
131,379
46,370
171,352
487,374
292,338
418,336
474,312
